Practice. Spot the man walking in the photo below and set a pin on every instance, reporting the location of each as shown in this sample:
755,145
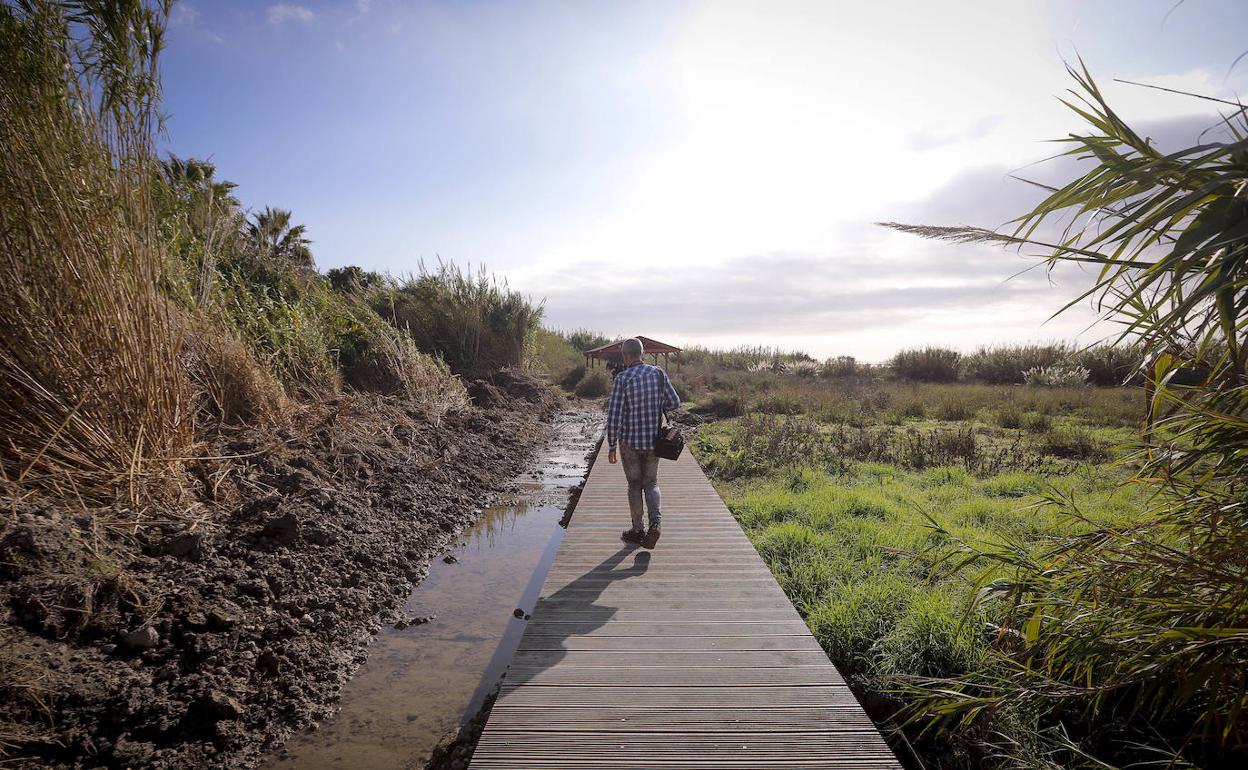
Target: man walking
639,396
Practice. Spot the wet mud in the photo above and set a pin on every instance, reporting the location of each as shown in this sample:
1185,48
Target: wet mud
208,643
431,670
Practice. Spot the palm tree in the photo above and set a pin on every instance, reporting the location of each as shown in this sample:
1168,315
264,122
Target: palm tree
271,236
206,208
192,176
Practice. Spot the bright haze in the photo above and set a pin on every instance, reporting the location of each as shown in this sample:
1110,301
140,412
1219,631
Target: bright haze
698,172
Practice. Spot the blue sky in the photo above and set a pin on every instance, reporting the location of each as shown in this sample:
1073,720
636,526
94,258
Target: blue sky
695,171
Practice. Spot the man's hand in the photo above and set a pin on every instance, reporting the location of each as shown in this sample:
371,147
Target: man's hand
611,458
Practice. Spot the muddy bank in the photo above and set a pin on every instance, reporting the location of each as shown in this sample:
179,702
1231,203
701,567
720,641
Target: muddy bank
428,673
172,646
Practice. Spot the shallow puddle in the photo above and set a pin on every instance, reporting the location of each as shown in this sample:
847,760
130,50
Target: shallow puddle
424,680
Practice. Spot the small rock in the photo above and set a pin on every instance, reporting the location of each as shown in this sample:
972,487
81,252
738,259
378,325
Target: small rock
185,544
307,621
269,662
214,706
319,536
450,558
255,587
283,529
144,638
297,480
222,618
519,613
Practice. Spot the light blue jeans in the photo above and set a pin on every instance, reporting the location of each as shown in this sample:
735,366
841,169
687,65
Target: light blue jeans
641,468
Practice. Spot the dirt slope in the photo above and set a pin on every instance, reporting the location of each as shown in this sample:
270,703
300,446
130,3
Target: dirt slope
170,647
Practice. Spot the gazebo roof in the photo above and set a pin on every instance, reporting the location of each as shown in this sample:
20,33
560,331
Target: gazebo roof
648,344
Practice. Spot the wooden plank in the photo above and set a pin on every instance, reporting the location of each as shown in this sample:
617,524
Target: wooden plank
743,602
659,676
670,643
694,696
650,630
756,659
848,717
648,615
687,656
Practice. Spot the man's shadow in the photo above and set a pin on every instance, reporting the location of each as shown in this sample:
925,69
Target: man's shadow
573,610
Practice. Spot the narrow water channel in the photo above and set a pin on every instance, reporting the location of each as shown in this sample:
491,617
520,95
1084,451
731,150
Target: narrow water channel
423,680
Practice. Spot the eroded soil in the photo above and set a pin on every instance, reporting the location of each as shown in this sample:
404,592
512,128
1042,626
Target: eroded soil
177,646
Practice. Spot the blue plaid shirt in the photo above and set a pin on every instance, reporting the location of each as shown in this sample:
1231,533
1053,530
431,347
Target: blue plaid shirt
639,396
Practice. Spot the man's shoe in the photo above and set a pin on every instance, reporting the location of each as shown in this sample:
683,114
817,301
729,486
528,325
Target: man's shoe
633,536
652,538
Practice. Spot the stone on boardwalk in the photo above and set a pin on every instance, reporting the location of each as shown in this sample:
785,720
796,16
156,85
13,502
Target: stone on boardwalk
688,656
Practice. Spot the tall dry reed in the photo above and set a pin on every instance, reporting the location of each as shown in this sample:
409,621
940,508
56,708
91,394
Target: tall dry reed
93,398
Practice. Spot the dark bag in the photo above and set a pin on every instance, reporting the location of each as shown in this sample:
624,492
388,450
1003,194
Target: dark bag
669,442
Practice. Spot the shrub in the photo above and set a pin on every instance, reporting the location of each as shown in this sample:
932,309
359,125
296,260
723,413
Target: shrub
741,358
840,367
232,388
806,369
554,358
1005,364
1109,365
930,364
424,380
1057,376
584,339
1073,444
954,409
761,443
288,337
593,385
573,378
725,405
913,409
354,280
1036,422
1010,418
683,390
473,320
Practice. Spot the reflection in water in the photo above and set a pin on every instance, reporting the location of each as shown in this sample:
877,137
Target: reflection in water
499,521
423,681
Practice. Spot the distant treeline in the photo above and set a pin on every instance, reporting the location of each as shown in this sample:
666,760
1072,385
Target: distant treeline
1056,363
1105,364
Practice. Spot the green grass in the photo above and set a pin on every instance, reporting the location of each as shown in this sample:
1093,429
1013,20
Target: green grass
863,548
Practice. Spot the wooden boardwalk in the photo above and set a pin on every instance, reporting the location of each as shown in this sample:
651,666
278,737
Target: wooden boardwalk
689,656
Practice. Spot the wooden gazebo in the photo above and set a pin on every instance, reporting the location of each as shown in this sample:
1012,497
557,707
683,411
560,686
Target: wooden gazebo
652,348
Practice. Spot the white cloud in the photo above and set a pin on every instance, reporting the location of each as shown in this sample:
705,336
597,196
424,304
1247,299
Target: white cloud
283,12
798,129
183,15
